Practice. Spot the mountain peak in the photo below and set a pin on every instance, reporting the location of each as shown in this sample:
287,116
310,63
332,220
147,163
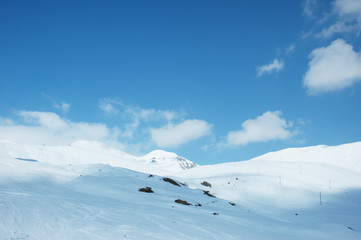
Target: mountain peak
164,158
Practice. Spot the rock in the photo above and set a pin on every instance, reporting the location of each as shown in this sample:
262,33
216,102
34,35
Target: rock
180,201
171,181
208,193
146,189
207,184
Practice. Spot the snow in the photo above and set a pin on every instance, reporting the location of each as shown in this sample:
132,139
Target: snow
345,156
167,160
87,190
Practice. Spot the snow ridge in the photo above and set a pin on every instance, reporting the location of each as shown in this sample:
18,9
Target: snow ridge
347,156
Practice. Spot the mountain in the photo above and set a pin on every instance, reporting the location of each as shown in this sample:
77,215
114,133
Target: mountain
167,160
90,152
87,190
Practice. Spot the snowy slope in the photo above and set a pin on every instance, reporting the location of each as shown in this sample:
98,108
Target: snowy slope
103,202
346,156
90,191
295,181
90,152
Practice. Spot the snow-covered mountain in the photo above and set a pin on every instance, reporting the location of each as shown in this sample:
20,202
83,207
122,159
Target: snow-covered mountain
87,190
167,160
90,152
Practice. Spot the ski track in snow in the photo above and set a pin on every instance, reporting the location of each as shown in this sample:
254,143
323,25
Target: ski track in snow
89,191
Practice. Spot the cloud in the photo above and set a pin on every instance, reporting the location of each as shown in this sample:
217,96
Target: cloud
276,65
45,119
348,7
35,127
5,121
109,105
291,49
139,115
348,18
269,126
332,68
339,27
134,115
309,7
49,128
63,106
172,135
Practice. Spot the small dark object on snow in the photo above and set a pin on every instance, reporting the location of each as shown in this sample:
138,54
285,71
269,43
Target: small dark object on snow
171,181
198,205
296,214
233,204
180,201
147,190
236,178
150,175
215,213
208,194
207,184
351,228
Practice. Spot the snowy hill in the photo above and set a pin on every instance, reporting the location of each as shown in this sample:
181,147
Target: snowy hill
90,152
87,190
167,160
346,156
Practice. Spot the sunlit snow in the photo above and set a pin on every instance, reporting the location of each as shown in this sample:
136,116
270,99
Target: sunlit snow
87,190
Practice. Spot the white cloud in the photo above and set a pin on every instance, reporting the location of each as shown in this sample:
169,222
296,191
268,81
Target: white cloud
276,65
45,119
348,18
332,68
268,126
338,27
149,114
49,128
309,7
134,115
109,105
175,135
63,106
35,127
348,7
5,121
139,115
291,49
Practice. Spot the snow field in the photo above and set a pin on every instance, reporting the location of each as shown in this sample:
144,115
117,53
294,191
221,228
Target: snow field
89,191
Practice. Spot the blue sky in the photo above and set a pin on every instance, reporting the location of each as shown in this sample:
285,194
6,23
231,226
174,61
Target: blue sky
214,81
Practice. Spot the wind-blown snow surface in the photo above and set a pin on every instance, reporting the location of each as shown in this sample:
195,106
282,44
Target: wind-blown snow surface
87,190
